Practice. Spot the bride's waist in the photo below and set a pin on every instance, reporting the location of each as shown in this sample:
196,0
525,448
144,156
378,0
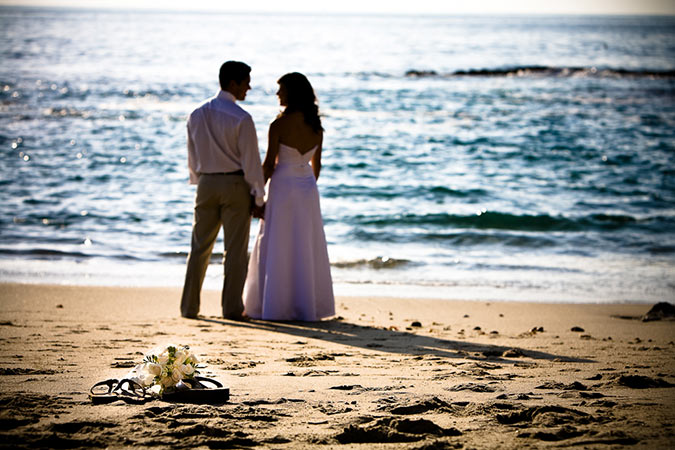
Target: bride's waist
293,167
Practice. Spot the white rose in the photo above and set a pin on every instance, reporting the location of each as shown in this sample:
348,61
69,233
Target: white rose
177,375
153,369
155,390
167,382
193,358
187,370
163,358
180,356
146,379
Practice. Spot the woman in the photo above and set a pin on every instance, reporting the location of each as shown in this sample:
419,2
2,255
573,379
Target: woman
289,273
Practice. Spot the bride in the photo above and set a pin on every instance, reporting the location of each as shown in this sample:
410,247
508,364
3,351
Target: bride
289,273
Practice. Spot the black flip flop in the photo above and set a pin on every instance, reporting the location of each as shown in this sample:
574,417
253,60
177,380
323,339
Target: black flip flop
127,390
131,392
103,392
200,390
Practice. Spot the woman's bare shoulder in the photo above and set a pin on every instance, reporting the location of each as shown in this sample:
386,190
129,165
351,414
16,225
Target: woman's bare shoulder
286,122
278,125
279,120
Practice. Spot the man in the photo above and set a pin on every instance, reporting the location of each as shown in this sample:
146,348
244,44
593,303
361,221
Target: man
224,163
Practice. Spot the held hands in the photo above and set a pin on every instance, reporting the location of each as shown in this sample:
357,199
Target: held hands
258,212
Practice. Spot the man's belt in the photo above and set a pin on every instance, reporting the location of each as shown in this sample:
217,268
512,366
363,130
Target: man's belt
236,172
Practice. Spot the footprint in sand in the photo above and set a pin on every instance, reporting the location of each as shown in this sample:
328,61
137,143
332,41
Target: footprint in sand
390,429
473,387
642,382
433,404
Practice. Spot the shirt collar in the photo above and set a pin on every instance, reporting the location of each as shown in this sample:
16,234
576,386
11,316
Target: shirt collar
225,95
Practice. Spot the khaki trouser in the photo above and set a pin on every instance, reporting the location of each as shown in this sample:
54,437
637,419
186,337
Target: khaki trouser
220,200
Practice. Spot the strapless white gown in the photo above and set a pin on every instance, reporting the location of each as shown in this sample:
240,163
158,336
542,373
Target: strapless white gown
289,273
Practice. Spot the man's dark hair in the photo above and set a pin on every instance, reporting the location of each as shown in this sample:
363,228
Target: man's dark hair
233,71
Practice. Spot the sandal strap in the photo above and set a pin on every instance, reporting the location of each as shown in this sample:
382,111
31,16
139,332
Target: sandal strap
202,380
134,390
112,384
202,383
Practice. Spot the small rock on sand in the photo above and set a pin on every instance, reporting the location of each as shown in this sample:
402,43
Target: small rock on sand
660,311
513,353
642,382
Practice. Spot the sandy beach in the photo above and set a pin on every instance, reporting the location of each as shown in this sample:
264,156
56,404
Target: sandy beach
385,373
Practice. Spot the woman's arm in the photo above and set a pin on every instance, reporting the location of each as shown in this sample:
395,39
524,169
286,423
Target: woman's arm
272,150
316,158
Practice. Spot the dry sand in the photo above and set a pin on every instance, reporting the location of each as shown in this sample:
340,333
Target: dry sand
465,375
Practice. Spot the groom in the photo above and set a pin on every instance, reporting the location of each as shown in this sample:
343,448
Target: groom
224,163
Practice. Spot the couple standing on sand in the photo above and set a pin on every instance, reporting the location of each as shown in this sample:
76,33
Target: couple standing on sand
288,274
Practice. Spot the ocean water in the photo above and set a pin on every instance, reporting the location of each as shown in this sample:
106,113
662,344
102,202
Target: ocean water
488,158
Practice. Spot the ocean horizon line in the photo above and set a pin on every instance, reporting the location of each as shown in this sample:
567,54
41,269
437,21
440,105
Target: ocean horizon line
218,11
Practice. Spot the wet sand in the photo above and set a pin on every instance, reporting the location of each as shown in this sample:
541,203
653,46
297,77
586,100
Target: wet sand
386,373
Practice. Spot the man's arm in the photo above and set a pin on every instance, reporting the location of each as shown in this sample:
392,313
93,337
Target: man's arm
250,159
192,157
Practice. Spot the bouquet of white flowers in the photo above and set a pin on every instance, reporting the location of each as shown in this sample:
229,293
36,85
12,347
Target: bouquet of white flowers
164,367
169,372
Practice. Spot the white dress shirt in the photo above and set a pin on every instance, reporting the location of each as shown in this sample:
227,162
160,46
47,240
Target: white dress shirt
221,138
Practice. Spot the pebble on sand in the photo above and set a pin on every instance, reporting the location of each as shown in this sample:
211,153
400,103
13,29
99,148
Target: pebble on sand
663,310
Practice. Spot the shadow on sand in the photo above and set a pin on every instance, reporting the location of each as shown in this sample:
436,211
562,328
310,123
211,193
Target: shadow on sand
393,341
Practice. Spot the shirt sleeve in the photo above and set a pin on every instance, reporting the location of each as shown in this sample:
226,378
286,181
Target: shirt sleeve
191,160
250,159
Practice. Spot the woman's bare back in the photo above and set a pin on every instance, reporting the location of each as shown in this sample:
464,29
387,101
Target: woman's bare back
294,132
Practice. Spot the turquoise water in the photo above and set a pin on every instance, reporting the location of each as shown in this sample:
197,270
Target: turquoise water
522,158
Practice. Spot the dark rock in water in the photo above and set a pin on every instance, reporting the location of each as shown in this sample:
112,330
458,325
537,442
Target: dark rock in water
421,73
642,382
660,311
